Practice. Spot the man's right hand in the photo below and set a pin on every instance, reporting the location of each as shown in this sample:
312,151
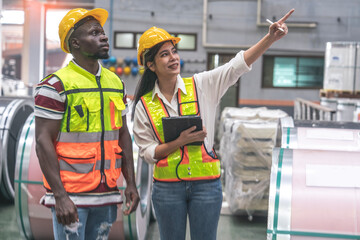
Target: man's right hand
66,211
46,133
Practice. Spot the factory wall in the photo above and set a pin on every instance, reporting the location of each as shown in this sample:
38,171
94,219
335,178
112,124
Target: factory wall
233,26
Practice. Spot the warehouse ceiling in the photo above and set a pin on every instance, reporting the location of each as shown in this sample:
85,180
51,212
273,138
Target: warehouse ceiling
18,4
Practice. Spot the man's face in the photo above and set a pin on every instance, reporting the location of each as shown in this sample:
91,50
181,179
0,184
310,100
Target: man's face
93,42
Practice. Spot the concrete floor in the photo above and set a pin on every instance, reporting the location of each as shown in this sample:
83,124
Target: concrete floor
230,227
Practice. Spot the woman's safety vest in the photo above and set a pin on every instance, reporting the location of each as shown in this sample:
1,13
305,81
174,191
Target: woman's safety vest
191,162
87,146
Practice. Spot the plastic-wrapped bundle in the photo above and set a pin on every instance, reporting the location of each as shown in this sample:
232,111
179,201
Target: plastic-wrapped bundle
244,113
247,170
253,157
256,134
233,113
245,150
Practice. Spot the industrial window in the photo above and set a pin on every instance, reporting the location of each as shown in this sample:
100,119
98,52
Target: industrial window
137,37
293,72
188,42
231,97
124,40
129,40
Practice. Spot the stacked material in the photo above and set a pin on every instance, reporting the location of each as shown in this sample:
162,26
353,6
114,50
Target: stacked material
314,184
342,66
248,137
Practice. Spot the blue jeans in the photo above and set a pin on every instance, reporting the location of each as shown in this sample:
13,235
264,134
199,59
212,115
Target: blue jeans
200,200
94,223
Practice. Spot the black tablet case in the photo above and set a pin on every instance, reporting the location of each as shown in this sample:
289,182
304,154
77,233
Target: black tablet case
173,126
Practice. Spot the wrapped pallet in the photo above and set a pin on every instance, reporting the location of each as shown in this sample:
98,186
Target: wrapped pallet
246,153
231,113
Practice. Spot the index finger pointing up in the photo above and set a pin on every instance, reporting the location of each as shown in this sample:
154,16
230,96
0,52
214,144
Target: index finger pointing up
283,19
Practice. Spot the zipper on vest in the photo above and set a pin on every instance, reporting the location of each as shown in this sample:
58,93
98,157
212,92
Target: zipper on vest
68,119
102,129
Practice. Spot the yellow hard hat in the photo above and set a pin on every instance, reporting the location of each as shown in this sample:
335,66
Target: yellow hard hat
150,38
66,26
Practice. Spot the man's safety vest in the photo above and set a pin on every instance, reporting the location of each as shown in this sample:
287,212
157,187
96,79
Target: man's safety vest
191,162
87,146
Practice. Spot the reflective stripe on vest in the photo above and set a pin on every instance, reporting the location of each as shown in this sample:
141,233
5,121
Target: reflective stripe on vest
87,144
188,104
196,163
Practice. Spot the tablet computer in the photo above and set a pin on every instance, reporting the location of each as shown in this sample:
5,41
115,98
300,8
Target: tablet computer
173,126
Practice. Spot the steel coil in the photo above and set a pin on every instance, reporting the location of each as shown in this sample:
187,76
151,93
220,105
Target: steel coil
138,222
13,114
326,135
314,194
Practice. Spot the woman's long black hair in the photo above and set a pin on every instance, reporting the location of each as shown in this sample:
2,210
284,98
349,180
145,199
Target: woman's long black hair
148,79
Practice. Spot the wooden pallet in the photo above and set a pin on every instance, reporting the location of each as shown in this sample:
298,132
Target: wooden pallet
339,93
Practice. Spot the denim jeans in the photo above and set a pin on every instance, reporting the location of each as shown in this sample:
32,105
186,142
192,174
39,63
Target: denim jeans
199,200
94,223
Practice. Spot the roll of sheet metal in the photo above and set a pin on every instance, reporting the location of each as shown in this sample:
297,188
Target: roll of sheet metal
35,221
136,224
314,194
13,114
326,135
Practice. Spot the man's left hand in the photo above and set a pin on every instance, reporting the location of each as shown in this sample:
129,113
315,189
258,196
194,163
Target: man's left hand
132,199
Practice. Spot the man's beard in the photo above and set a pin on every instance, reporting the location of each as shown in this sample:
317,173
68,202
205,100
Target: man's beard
100,55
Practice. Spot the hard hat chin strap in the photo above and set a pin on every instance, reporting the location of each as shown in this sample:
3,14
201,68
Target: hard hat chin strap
67,38
143,57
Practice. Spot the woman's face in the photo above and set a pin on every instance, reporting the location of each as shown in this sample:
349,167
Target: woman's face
166,62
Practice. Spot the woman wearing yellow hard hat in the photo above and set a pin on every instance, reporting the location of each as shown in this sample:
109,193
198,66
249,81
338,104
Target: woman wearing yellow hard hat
186,173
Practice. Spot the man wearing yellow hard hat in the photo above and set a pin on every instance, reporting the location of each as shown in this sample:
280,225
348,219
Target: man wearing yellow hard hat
82,139
186,175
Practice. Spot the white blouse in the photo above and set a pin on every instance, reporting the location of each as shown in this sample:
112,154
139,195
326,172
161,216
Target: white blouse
211,86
